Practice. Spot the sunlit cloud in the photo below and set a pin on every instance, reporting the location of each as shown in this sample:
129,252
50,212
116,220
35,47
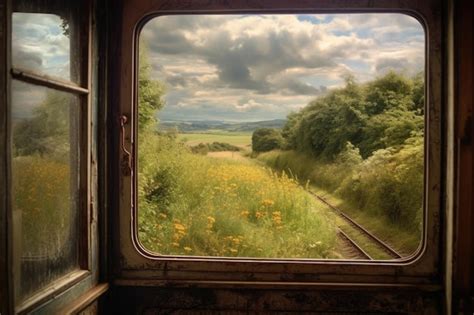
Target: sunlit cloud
39,44
257,67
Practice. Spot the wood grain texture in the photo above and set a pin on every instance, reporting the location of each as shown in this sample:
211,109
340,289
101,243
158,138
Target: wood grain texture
250,301
62,293
464,214
6,276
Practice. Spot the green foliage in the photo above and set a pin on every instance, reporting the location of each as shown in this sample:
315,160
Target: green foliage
388,184
389,129
47,131
372,116
150,93
191,204
418,95
266,139
195,205
363,142
44,200
290,129
239,139
201,148
389,92
204,148
327,124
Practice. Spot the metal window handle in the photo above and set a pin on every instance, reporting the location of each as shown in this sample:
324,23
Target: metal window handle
127,158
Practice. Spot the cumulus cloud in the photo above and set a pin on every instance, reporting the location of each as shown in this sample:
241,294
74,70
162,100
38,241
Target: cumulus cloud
244,66
38,44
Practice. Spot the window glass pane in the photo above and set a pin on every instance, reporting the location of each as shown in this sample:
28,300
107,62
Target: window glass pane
45,38
45,185
265,135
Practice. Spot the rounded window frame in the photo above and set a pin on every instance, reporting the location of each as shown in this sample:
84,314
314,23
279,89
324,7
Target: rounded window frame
423,265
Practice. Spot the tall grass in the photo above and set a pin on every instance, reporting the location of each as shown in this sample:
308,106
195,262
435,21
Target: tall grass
388,184
42,196
196,205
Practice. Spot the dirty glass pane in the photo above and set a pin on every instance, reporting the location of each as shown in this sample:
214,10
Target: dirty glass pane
281,136
45,38
45,185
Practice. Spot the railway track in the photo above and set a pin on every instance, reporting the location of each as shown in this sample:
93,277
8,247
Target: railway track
353,250
374,239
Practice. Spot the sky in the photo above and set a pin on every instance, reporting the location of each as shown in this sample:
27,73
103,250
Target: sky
237,67
39,45
261,67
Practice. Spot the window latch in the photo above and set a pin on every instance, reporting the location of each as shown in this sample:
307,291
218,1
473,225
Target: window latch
126,163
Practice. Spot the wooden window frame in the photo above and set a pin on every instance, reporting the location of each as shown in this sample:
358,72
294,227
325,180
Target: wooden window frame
84,91
139,267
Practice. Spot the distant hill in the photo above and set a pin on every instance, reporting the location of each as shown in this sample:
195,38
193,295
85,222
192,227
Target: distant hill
200,126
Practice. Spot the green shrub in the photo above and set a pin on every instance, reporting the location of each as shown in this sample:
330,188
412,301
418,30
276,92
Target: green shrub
266,139
201,148
375,115
204,148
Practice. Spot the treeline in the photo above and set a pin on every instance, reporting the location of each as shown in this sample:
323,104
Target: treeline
204,148
365,143
372,116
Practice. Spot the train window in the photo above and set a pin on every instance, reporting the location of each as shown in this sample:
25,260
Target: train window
45,168
281,136
49,148
246,131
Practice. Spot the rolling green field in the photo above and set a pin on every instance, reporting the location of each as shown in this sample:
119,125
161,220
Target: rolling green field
241,139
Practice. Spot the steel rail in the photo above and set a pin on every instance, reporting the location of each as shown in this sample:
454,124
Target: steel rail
354,244
387,248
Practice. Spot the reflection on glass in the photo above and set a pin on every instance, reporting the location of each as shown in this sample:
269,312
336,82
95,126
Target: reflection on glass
45,185
250,125
45,41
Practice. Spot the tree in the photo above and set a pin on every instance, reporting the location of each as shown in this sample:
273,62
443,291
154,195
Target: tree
48,129
419,94
266,139
150,93
289,130
328,123
372,116
389,92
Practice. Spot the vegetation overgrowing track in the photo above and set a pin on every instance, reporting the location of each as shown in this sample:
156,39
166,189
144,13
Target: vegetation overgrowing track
374,239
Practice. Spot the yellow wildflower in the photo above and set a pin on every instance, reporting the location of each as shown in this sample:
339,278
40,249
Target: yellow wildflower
268,202
276,217
210,222
244,214
259,214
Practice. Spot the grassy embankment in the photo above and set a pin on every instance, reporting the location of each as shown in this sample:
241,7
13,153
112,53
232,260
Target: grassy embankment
371,183
197,205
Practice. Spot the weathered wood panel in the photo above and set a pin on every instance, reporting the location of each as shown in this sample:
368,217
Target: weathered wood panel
6,285
464,97
150,301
